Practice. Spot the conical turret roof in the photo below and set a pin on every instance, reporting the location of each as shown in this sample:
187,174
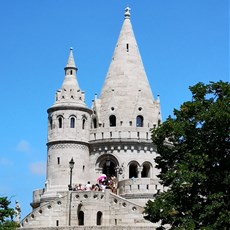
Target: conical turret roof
126,91
70,93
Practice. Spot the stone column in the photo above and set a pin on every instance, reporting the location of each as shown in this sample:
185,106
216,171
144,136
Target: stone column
139,169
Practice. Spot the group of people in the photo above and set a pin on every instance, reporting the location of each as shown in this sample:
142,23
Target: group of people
101,185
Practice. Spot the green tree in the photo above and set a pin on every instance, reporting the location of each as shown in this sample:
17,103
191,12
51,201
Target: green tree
6,215
194,162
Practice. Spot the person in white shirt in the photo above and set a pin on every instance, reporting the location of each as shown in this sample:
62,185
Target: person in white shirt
88,186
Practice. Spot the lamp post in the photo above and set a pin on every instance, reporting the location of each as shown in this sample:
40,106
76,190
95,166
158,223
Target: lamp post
71,165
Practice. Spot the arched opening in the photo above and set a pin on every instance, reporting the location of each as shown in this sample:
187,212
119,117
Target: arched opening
139,121
72,122
94,123
112,121
133,170
109,168
145,171
81,218
99,218
83,124
59,122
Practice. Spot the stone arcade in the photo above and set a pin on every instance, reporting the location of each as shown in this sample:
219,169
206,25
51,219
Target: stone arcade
113,137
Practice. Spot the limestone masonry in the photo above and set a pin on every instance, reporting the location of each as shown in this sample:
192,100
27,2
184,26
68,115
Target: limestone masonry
112,140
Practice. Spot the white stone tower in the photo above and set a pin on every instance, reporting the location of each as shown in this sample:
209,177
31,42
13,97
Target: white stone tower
68,134
122,118
112,138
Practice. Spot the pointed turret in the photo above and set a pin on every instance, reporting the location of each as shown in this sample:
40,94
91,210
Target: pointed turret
70,93
71,63
68,130
126,90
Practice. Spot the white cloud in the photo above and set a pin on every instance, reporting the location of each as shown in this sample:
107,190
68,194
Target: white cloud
23,146
38,168
5,162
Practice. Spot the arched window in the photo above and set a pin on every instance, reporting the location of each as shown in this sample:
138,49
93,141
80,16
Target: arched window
59,122
72,122
139,121
145,171
132,170
81,218
99,218
94,123
112,121
83,123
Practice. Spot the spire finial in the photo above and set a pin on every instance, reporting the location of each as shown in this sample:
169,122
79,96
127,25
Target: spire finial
127,12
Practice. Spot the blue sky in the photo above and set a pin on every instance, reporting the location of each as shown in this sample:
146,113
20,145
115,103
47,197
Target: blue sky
181,43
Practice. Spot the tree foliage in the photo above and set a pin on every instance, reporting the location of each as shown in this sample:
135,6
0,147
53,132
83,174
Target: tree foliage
6,215
194,162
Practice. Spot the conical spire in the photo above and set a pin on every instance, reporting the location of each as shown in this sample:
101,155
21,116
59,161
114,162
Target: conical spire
70,73
71,63
70,92
126,88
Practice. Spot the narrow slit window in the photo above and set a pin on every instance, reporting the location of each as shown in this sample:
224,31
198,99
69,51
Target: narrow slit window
94,123
51,123
58,160
127,47
83,124
99,218
59,122
72,122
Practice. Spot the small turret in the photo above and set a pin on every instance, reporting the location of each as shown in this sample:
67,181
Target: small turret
68,133
70,93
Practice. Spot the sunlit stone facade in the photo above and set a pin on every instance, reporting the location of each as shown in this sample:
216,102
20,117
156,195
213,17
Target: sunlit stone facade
113,138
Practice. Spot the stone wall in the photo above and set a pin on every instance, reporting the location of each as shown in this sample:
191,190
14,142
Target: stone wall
94,228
